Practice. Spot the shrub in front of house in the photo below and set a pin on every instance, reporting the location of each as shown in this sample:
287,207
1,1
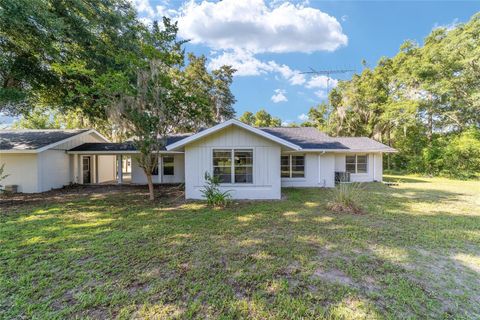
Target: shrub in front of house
346,197
212,193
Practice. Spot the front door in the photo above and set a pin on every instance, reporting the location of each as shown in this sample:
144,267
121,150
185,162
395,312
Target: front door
86,170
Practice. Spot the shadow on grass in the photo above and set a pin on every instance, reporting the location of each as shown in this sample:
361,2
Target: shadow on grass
122,256
404,179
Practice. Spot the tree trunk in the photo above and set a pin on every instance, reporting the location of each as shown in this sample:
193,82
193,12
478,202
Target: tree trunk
150,185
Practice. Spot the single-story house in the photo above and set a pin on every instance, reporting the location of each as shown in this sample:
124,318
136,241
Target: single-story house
253,163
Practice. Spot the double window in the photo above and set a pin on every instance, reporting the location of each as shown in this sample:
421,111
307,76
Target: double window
292,166
356,163
233,165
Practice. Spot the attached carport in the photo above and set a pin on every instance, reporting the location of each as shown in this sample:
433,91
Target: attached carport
95,162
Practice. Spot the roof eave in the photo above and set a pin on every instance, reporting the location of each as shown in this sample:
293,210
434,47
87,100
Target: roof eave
347,150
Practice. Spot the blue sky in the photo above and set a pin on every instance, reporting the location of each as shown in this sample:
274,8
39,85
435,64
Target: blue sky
271,42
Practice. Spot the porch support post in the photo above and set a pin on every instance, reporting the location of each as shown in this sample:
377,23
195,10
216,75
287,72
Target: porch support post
119,169
75,168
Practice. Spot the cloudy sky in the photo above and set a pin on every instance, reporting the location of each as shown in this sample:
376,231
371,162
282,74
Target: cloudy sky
270,42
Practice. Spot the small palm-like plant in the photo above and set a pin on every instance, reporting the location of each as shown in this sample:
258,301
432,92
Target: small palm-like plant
212,193
346,197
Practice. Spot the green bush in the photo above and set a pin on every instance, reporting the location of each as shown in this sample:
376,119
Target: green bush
213,195
346,197
461,157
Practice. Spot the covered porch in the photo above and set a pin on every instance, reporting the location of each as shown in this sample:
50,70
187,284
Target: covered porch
108,163
94,168
102,163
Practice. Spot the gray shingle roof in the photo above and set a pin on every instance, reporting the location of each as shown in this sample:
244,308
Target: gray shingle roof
363,143
124,146
33,139
312,138
305,137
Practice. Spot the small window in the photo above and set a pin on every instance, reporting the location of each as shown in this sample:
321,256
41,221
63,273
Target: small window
168,166
292,166
285,166
356,163
233,166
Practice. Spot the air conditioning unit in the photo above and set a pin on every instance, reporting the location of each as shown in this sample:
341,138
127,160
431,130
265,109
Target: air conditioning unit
13,188
342,177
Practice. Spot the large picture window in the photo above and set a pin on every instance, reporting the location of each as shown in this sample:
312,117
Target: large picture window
233,165
292,166
356,163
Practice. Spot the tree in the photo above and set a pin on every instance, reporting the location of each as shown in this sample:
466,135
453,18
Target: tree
2,173
248,118
212,88
51,52
159,101
45,118
260,119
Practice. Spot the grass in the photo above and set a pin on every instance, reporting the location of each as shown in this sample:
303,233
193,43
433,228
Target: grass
415,254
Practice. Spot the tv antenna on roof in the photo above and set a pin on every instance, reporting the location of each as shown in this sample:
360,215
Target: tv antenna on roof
327,73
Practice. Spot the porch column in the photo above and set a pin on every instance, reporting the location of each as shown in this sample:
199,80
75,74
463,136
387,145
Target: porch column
75,168
119,169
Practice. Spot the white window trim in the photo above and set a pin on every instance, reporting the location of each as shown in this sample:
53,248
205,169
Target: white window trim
290,167
232,166
356,163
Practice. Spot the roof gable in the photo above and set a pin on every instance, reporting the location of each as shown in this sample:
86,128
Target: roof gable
232,122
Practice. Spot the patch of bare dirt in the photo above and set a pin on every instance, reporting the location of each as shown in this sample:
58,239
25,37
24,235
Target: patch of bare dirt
10,202
334,276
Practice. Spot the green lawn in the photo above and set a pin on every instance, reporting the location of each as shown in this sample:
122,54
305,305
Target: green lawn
414,254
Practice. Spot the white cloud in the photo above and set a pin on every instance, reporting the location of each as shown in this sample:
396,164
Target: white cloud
321,81
237,31
144,8
253,26
303,117
344,18
322,94
279,96
248,65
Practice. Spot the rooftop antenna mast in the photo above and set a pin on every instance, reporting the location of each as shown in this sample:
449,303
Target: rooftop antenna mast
327,73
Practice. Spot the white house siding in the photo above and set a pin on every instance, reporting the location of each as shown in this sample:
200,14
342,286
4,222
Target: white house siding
22,171
53,169
318,172
106,168
374,168
178,170
43,171
138,176
266,164
81,139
